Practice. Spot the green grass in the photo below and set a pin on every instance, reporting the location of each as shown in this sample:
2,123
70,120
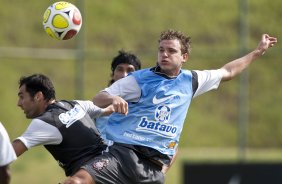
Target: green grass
38,166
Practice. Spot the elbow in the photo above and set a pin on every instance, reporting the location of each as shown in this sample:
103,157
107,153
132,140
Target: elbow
97,101
101,100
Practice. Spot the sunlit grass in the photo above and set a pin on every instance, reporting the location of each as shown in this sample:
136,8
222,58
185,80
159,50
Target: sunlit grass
38,166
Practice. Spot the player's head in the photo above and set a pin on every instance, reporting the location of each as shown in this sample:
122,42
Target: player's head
35,92
122,64
38,83
184,40
173,51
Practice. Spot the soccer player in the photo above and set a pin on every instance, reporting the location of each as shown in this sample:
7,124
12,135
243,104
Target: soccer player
7,156
155,102
121,66
64,128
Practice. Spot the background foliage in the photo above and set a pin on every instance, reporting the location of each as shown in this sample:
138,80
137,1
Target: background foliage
109,25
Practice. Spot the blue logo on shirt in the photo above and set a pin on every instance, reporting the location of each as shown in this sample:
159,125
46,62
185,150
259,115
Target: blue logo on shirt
162,129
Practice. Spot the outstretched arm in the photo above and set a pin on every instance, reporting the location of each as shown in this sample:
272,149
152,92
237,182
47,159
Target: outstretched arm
233,68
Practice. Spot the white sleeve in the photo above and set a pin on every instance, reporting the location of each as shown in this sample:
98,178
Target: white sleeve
7,153
89,107
208,80
40,133
127,88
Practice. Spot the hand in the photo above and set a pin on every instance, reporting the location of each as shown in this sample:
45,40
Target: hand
165,169
120,105
265,43
108,110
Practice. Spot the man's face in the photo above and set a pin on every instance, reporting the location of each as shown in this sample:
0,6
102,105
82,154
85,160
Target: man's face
30,105
122,70
170,58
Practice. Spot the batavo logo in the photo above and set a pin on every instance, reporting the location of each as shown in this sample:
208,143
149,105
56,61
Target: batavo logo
162,129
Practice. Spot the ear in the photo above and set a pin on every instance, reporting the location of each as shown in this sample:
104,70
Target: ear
185,57
38,96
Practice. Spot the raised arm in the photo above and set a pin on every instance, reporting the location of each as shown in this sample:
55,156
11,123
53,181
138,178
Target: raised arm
233,68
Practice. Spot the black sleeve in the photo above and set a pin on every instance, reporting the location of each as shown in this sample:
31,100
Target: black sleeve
194,81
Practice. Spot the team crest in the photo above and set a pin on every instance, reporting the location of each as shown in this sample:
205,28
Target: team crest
162,113
100,164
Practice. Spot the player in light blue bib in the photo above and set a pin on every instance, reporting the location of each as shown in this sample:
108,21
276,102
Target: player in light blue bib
154,103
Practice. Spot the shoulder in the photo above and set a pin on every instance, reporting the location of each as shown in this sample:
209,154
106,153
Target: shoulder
3,134
205,73
2,129
85,103
207,80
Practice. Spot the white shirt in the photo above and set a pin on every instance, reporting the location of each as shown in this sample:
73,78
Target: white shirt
129,90
7,152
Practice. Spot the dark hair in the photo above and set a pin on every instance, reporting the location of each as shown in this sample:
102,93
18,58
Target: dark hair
126,58
185,41
36,83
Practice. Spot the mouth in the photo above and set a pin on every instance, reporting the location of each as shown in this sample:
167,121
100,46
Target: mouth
24,111
164,62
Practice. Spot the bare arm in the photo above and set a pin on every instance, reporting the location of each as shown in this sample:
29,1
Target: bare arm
103,99
19,147
233,68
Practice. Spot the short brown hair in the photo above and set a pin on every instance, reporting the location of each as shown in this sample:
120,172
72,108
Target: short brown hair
185,41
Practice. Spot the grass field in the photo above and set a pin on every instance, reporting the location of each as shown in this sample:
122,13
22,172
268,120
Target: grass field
36,166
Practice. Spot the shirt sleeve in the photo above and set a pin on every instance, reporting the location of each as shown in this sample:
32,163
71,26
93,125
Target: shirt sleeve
89,107
208,80
40,133
7,153
126,88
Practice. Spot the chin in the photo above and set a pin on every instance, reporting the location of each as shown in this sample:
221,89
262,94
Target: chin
165,68
29,116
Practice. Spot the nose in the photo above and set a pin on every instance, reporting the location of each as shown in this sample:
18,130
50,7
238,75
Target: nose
165,54
124,74
19,103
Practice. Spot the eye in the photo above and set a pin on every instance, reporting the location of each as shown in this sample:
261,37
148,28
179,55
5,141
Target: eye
119,69
20,97
130,70
172,51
